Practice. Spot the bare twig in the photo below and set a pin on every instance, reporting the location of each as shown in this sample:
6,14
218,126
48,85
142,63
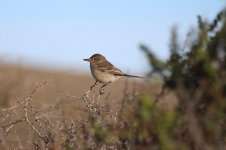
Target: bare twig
38,85
87,100
44,138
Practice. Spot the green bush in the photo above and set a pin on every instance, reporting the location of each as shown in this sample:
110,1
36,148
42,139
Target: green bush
196,73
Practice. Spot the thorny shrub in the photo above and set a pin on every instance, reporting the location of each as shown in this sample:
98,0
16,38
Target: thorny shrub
195,72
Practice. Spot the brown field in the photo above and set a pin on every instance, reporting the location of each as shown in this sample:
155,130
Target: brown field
59,97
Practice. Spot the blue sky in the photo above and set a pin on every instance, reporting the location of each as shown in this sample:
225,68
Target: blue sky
59,34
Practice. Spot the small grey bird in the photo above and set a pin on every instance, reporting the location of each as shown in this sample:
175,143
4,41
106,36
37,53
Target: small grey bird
103,71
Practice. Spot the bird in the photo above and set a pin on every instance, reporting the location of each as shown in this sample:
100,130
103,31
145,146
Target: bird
104,72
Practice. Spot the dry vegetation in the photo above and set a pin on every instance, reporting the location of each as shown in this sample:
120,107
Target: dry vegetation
44,110
52,110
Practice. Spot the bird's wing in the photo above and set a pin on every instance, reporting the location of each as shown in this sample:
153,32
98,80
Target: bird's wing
108,67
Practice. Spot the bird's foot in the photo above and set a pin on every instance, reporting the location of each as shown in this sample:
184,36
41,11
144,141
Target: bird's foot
101,91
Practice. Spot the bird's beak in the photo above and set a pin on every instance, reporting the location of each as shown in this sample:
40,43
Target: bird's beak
87,60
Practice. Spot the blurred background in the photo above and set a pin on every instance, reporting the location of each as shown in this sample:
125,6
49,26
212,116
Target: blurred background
58,34
43,75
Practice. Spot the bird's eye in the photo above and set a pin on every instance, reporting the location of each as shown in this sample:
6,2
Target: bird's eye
94,59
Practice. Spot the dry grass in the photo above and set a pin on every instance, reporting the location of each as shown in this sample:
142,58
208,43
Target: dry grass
54,110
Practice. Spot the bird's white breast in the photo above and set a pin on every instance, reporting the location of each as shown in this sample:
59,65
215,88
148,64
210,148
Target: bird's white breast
103,76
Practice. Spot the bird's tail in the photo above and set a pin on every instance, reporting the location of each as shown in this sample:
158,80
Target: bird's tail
132,76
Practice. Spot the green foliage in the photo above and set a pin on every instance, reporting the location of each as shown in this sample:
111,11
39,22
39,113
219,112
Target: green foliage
198,77
98,131
146,108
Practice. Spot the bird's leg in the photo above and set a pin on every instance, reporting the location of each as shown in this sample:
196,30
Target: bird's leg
102,88
91,88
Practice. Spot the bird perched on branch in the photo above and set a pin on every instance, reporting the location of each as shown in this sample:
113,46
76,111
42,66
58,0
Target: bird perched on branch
103,71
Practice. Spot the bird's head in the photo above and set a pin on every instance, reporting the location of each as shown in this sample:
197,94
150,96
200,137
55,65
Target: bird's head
96,58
